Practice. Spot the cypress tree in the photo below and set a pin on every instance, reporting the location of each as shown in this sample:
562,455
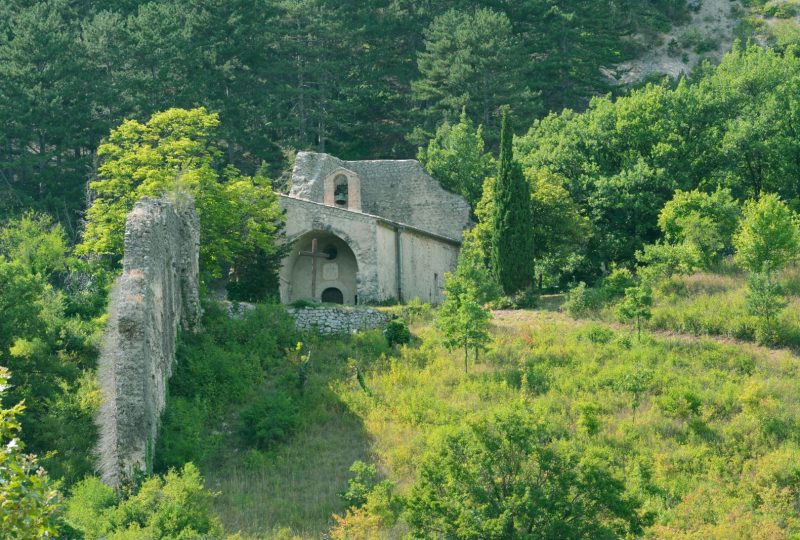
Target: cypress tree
512,226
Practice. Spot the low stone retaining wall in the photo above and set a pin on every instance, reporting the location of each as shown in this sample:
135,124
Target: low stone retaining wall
338,320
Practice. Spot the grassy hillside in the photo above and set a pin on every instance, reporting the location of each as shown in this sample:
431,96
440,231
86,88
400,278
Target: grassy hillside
705,434
714,304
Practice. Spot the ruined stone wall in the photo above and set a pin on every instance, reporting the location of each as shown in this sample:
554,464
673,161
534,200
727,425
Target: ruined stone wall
338,320
397,190
156,295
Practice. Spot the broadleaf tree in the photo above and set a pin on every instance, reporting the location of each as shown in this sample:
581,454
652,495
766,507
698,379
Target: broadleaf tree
504,476
457,159
177,153
768,236
462,318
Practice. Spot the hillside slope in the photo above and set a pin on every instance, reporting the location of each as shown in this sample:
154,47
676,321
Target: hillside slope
704,435
709,33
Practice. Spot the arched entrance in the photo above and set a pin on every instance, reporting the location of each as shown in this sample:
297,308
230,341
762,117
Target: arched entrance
322,268
332,295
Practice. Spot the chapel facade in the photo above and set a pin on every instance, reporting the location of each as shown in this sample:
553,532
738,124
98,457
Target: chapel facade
368,231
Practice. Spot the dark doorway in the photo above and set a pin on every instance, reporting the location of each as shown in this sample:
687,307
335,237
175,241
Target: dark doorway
332,295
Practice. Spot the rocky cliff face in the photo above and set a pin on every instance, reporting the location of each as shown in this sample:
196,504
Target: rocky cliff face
156,295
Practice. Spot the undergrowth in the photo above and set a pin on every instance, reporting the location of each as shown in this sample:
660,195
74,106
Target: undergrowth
705,435
687,425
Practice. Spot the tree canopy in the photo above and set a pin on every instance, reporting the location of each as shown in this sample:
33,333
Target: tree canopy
505,477
176,154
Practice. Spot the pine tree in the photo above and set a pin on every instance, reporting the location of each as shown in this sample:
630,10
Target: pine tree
512,235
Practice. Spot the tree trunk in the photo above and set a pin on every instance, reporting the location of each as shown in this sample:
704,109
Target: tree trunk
466,358
639,327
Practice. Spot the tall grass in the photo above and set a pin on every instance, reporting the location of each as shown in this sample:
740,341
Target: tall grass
678,420
705,434
714,304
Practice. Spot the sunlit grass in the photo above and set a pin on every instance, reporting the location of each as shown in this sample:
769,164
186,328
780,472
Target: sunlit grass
678,419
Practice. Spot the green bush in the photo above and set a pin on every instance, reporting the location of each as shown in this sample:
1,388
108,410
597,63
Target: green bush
363,481
615,283
397,332
582,301
175,506
599,334
269,421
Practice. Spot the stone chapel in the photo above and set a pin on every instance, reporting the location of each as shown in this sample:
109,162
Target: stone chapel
368,231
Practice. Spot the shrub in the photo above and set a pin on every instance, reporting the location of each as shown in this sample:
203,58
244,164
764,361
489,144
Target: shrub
364,480
29,504
397,332
768,236
161,508
270,420
764,302
599,334
582,301
615,283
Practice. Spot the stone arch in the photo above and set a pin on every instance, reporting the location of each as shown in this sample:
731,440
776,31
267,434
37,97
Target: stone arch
332,295
334,265
343,189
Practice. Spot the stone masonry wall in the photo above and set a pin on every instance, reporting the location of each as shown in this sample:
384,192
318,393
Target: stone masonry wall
397,190
156,294
338,320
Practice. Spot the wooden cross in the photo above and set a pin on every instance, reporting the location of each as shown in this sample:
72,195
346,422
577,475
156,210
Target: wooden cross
314,254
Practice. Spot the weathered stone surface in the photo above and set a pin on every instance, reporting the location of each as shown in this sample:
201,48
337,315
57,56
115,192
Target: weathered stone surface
338,320
398,190
156,294
392,261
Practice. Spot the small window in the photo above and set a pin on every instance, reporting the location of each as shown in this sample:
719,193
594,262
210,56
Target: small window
340,190
331,251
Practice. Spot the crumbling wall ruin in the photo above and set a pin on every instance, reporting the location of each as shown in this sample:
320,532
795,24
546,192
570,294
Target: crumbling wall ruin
156,294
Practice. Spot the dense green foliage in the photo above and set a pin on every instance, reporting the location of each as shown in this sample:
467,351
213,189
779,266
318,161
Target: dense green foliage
505,477
172,507
703,223
769,235
50,309
284,74
397,332
733,126
29,506
232,365
511,220
456,157
175,154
